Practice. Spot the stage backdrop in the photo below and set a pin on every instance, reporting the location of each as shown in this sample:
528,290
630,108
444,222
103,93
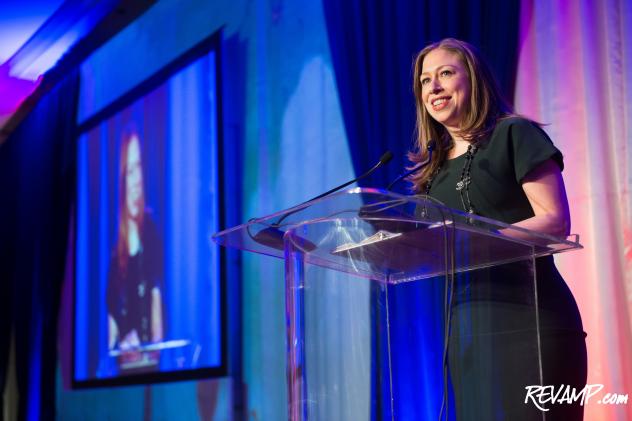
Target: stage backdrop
575,73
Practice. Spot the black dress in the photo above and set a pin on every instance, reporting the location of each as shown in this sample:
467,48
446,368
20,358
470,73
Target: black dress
129,292
493,341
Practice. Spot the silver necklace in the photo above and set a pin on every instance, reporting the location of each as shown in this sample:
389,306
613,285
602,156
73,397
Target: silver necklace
463,185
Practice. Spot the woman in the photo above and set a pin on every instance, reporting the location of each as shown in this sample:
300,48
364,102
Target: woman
490,162
134,299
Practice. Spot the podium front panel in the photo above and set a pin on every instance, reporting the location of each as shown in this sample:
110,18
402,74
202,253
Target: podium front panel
445,344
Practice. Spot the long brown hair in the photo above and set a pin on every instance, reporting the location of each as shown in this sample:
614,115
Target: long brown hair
122,247
485,108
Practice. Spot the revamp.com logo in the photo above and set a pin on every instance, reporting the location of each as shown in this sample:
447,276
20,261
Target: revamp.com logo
543,396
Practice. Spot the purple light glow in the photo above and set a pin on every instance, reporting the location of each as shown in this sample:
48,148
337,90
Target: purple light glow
13,90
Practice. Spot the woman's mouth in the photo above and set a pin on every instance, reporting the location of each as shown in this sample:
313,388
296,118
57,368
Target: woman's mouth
439,104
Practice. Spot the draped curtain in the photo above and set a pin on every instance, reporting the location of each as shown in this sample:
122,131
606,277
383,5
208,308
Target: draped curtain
373,45
37,167
575,73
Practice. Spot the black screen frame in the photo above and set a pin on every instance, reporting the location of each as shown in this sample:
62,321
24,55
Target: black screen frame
204,47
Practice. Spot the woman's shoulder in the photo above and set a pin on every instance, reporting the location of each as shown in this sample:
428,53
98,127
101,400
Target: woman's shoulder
516,121
519,129
526,142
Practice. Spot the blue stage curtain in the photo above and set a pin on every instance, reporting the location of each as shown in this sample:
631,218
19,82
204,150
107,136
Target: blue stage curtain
37,170
373,45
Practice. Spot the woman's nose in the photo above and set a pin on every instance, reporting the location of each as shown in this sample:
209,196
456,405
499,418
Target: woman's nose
435,86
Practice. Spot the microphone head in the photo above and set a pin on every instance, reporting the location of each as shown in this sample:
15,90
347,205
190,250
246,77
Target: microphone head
386,157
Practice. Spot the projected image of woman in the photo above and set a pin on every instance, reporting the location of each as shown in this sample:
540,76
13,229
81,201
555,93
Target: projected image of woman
134,291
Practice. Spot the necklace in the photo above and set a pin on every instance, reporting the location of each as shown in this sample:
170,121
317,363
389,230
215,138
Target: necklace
431,179
463,185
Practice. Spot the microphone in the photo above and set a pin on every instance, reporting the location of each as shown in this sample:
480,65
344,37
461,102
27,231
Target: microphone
273,236
430,147
387,219
384,159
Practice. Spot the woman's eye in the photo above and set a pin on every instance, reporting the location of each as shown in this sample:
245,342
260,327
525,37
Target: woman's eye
446,73
425,81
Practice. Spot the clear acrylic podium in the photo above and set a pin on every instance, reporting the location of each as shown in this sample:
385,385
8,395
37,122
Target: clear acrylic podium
388,306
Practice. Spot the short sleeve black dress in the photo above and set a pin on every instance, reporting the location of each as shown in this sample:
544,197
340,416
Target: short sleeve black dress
492,318
129,292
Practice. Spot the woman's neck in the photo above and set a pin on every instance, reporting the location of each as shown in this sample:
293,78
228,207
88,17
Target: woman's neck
133,237
459,147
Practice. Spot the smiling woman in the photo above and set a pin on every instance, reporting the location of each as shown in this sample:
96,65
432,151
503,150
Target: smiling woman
135,283
493,163
445,89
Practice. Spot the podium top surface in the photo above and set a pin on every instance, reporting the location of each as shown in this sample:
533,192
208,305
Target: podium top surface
389,237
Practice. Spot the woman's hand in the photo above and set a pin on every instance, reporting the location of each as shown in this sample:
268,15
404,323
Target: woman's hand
129,346
130,341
